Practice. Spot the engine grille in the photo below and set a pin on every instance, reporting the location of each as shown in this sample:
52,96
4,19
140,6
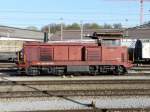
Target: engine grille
46,54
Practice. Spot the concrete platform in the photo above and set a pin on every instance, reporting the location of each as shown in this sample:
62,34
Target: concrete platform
72,103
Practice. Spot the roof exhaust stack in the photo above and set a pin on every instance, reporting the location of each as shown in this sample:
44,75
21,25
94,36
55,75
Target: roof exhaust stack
45,37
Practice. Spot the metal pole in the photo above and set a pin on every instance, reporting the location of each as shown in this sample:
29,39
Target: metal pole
49,30
127,33
141,12
61,28
8,35
81,27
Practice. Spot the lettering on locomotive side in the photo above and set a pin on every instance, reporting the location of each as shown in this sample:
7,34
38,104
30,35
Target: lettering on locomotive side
45,63
118,59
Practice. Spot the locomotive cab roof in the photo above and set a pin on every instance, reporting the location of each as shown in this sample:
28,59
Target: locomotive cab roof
107,35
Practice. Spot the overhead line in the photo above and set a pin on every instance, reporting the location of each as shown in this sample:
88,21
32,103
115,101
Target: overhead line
86,13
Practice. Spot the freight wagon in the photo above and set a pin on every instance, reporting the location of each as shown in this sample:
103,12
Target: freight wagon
142,52
72,58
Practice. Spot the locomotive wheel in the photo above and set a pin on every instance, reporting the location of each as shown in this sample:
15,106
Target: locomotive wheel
32,71
93,70
119,70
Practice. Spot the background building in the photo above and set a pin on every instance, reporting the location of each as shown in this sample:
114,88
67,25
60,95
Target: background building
11,38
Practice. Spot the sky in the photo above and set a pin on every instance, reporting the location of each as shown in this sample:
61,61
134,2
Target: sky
24,13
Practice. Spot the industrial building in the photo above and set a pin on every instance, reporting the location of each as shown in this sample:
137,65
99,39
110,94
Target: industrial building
77,34
11,38
13,32
142,32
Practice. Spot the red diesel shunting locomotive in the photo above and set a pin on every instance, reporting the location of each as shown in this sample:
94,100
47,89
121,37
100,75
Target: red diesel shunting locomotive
73,58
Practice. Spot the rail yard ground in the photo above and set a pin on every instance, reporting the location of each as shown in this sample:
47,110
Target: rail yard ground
75,56
106,93
77,93
75,103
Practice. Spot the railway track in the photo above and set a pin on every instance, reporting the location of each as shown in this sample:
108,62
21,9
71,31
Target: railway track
10,88
69,93
7,65
11,69
13,72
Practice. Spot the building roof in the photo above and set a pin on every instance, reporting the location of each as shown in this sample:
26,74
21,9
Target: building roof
14,32
76,34
142,32
139,32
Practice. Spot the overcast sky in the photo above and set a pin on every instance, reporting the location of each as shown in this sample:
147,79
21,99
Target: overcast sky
22,13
